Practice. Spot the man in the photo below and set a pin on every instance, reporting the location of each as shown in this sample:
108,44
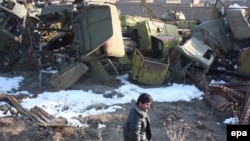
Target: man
137,125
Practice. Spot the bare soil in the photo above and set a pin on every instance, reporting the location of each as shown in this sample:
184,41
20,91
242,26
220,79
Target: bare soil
202,121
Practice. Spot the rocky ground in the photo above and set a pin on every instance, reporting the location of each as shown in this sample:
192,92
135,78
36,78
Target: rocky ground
197,119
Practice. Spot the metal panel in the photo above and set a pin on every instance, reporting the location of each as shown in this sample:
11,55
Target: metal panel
69,76
93,27
238,23
147,70
244,59
152,72
195,50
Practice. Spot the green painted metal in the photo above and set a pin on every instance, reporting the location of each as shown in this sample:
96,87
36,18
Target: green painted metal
244,59
147,70
69,76
154,39
97,36
89,30
144,29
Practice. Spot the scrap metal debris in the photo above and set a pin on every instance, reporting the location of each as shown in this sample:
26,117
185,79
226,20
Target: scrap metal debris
73,39
36,114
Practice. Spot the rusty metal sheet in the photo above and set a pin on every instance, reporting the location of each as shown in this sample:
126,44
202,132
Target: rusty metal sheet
217,29
218,101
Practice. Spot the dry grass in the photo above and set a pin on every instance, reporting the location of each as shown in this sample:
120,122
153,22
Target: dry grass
98,124
178,131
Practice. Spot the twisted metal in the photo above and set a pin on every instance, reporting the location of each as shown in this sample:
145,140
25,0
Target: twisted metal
231,97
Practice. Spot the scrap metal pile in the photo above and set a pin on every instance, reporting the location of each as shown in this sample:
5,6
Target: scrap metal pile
66,39
73,39
216,49
228,34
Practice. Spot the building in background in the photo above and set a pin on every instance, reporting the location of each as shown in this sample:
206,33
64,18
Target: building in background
173,1
177,1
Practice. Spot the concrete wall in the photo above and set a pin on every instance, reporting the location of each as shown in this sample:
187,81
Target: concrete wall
197,13
135,9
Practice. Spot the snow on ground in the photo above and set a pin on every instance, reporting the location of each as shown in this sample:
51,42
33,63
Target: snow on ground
76,101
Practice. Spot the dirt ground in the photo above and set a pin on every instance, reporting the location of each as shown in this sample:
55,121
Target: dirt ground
198,120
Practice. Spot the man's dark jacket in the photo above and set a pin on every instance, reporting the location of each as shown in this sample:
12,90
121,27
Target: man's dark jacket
137,126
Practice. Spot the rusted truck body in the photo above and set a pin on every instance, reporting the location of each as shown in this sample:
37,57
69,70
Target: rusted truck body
66,39
159,53
149,45
216,49
228,35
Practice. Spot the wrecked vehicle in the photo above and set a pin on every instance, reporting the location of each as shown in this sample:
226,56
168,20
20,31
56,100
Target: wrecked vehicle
148,44
162,51
216,48
62,38
227,34
72,39
178,18
59,38
11,15
160,54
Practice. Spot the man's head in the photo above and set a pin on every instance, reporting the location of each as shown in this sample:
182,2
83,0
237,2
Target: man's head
144,101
